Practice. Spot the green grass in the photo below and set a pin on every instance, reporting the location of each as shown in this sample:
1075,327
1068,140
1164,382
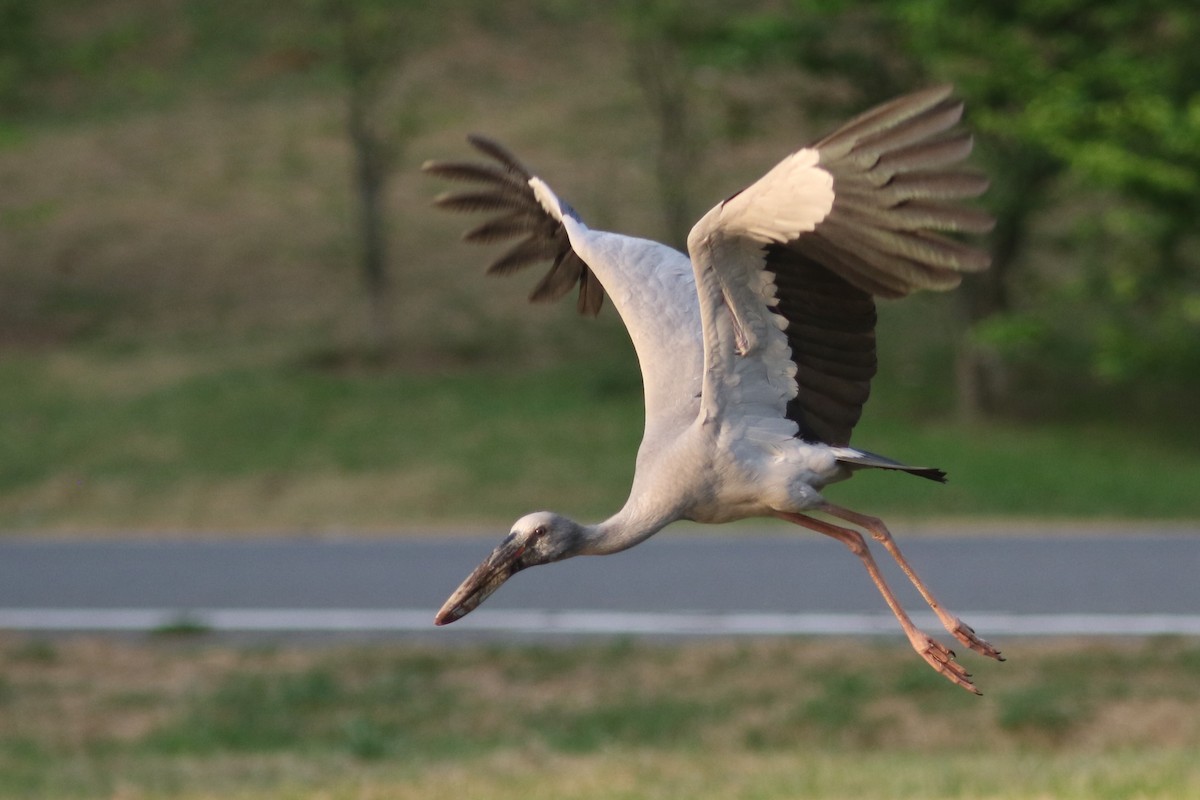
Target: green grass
1059,469
615,719
98,442
376,448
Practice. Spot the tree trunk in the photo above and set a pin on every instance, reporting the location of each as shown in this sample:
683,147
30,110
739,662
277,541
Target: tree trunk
368,52
371,174
664,80
980,380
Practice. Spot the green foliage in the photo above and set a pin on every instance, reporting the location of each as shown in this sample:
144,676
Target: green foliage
838,709
255,711
1106,95
364,738
35,651
370,708
1078,105
639,721
20,52
1042,709
182,626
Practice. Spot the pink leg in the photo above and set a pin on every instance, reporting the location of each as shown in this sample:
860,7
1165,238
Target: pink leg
961,631
940,657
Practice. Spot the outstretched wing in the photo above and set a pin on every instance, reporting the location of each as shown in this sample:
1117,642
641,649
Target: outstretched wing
650,284
503,188
787,270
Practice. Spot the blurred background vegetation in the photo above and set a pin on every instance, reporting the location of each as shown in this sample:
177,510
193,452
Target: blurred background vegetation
226,303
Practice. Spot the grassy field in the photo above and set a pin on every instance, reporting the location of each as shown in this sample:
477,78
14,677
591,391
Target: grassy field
182,329
190,718
104,444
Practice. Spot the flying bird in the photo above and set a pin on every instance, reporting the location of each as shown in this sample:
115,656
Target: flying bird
757,347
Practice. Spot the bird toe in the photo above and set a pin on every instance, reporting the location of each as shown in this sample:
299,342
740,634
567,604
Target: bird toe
941,658
966,634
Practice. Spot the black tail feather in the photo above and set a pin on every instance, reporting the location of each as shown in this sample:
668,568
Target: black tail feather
862,459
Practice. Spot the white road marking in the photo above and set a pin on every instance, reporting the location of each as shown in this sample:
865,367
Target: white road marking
351,620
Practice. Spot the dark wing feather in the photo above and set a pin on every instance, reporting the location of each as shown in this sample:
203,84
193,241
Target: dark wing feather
895,187
503,187
831,331
894,184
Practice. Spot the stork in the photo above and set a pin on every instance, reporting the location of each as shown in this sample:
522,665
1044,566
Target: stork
757,348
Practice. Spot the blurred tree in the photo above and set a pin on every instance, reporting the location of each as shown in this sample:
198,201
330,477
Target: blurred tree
854,58
998,61
20,51
1107,97
370,39
658,33
1098,97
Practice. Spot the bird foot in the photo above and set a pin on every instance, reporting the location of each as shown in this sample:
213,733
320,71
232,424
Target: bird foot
966,634
941,658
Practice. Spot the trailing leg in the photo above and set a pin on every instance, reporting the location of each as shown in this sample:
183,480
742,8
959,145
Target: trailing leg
960,630
940,657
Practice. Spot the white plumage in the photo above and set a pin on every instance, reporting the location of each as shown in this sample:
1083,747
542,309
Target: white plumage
757,348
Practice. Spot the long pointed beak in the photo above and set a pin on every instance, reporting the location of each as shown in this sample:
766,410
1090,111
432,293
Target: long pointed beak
501,565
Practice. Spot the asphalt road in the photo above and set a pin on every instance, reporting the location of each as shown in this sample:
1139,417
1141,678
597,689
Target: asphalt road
1136,582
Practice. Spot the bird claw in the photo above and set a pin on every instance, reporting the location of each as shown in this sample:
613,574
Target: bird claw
941,658
966,634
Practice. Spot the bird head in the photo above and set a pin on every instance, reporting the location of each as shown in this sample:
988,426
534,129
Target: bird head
538,538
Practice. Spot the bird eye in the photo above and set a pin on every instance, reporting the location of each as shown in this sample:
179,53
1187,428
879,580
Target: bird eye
538,532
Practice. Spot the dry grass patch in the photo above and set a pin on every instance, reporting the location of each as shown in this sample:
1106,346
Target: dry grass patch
720,718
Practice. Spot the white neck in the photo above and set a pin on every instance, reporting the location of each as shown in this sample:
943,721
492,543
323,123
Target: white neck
631,525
